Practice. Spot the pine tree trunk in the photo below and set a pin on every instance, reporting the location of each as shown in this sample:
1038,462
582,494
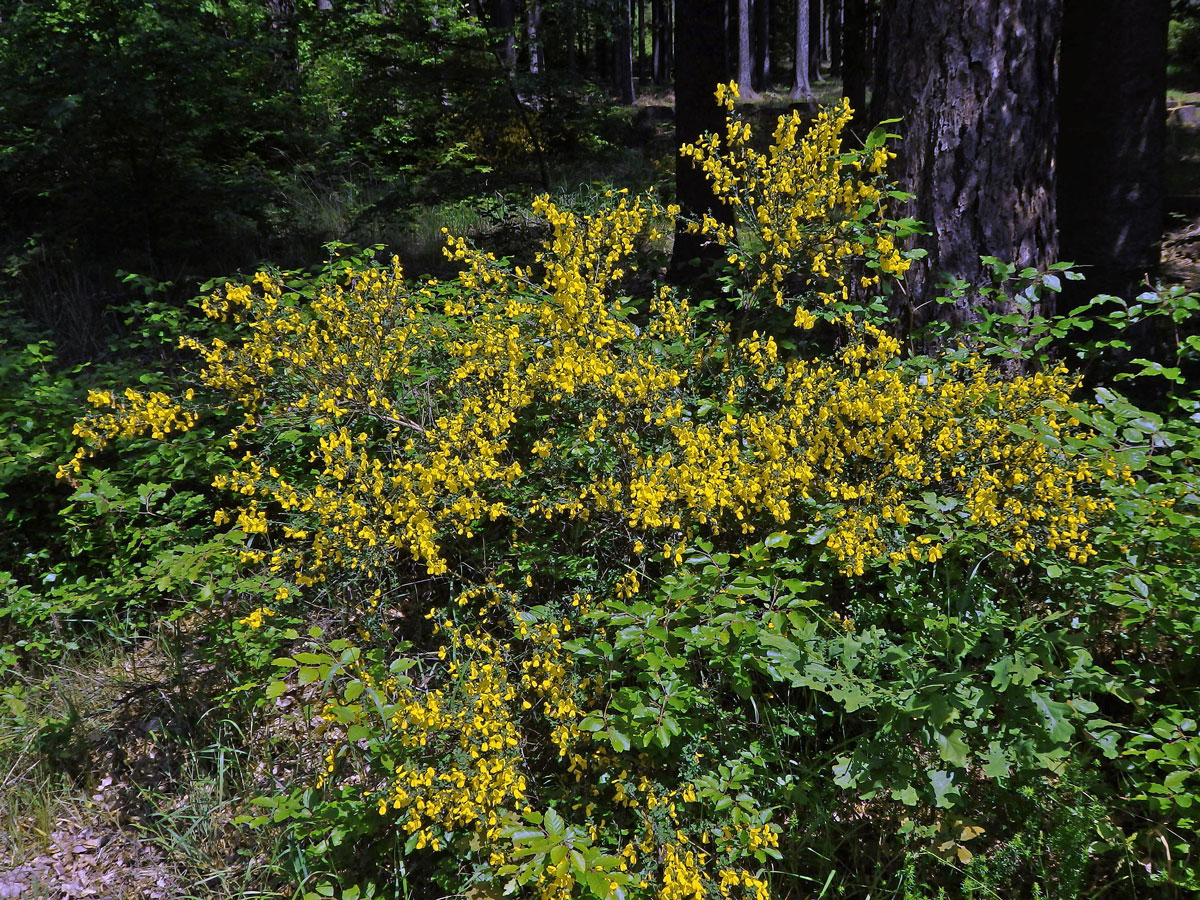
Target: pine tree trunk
699,55
762,45
533,36
814,41
801,89
639,55
668,41
835,38
731,39
656,41
623,54
856,67
745,53
856,64
975,83
1111,141
571,38
604,58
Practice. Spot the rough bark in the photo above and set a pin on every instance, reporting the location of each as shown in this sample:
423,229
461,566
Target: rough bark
815,44
699,51
663,63
533,36
1112,133
639,53
801,89
975,83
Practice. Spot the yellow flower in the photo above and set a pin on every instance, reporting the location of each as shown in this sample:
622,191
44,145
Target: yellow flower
255,619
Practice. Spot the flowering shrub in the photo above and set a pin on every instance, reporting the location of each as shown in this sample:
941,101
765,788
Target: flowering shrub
550,519
811,219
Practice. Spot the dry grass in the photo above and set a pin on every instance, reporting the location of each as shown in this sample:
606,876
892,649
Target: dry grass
122,780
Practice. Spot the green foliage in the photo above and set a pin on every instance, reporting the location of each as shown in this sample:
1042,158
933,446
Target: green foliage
200,136
77,550
130,122
1183,50
576,594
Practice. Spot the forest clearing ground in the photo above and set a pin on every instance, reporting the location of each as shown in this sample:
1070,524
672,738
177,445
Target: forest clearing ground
115,787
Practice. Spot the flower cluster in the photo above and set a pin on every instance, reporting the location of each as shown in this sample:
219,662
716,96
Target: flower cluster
134,414
805,209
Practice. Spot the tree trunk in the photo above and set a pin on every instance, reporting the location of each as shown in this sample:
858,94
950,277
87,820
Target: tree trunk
571,28
975,83
533,35
731,38
623,55
666,56
656,41
745,53
835,38
504,17
604,58
801,89
762,45
814,41
640,51
699,52
856,65
1111,141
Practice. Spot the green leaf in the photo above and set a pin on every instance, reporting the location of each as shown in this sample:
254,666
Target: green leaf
997,763
952,748
555,826
597,883
1055,714
1174,781
619,741
944,790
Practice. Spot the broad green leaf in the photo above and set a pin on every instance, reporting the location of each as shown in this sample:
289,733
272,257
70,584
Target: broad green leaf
952,748
1055,715
944,790
555,826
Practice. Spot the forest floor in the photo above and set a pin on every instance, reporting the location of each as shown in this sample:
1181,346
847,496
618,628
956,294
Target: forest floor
121,795
131,791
